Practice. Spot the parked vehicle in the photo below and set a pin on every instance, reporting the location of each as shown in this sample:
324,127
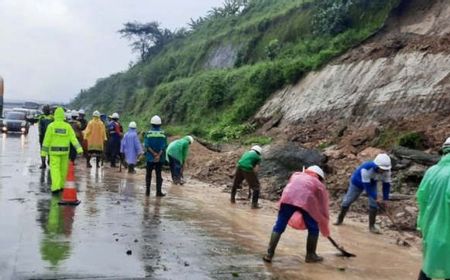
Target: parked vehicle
15,122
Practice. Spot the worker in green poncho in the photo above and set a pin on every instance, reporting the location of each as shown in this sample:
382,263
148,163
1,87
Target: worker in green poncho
433,197
176,154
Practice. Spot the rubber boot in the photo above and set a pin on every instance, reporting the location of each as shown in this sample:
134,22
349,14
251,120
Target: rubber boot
255,198
43,165
372,218
341,216
131,169
147,190
97,162
88,162
274,238
233,195
159,192
423,276
311,246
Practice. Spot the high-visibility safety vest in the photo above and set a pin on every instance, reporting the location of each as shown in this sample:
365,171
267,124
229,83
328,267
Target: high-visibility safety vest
59,136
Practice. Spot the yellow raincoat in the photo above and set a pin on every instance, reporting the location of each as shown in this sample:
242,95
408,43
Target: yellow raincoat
95,134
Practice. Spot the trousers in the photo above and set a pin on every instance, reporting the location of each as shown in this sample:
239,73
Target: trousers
58,171
285,213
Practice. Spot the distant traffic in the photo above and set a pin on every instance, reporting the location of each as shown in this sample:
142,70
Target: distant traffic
18,117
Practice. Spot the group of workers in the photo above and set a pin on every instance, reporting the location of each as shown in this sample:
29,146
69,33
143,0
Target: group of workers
304,203
62,140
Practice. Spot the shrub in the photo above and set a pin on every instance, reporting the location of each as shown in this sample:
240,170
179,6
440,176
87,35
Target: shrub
412,140
272,49
230,132
332,17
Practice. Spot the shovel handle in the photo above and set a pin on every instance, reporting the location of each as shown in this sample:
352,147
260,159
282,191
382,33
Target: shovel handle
341,249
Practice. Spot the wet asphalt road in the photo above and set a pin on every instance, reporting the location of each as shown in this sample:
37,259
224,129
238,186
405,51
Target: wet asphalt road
42,240
193,233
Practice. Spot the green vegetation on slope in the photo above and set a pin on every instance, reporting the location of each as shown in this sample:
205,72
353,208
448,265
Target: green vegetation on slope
270,44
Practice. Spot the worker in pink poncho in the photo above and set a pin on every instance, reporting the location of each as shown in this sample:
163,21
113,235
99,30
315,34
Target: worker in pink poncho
303,205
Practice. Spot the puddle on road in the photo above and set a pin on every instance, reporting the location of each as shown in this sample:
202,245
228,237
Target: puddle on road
193,233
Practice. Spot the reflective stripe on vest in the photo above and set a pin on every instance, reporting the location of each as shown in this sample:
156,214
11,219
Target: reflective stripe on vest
59,149
62,131
155,134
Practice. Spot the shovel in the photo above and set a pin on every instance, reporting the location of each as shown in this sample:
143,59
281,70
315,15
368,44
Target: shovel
341,249
397,227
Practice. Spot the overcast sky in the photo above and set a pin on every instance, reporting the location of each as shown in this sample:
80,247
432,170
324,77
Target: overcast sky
50,49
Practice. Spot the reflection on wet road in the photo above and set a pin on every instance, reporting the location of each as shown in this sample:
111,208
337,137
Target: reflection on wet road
193,233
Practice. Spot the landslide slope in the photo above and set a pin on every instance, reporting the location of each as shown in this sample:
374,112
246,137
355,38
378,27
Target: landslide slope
397,82
214,78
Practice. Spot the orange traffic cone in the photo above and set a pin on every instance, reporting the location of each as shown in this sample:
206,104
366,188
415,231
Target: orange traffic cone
69,196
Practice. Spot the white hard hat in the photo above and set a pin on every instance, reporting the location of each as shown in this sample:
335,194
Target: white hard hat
316,169
191,139
383,161
74,113
132,125
446,143
257,149
115,116
156,120
81,112
96,114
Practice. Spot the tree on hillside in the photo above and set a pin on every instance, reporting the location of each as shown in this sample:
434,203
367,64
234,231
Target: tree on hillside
230,8
146,38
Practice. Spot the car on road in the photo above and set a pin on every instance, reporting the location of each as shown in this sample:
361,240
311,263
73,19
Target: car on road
15,122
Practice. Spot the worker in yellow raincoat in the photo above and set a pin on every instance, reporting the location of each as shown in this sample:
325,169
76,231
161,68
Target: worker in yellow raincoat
57,140
95,135
433,197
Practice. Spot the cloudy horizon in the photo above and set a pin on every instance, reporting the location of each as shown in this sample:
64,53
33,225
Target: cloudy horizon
51,49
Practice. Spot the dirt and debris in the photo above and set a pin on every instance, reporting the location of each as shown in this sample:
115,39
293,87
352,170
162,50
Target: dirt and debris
339,160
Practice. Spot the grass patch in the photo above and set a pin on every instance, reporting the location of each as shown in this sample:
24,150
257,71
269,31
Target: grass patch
388,137
412,140
250,140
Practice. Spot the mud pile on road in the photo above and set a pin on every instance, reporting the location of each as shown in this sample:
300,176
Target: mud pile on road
211,166
281,159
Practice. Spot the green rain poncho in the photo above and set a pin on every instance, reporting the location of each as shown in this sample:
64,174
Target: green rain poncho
179,149
433,197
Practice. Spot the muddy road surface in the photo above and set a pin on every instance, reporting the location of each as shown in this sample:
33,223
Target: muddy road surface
193,233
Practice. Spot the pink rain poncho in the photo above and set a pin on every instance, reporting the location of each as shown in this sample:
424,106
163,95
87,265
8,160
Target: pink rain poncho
307,192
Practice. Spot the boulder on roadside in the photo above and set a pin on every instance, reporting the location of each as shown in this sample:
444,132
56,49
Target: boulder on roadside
281,160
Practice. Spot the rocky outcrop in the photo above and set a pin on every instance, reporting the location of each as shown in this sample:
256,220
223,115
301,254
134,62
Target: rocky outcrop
403,72
387,88
223,56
